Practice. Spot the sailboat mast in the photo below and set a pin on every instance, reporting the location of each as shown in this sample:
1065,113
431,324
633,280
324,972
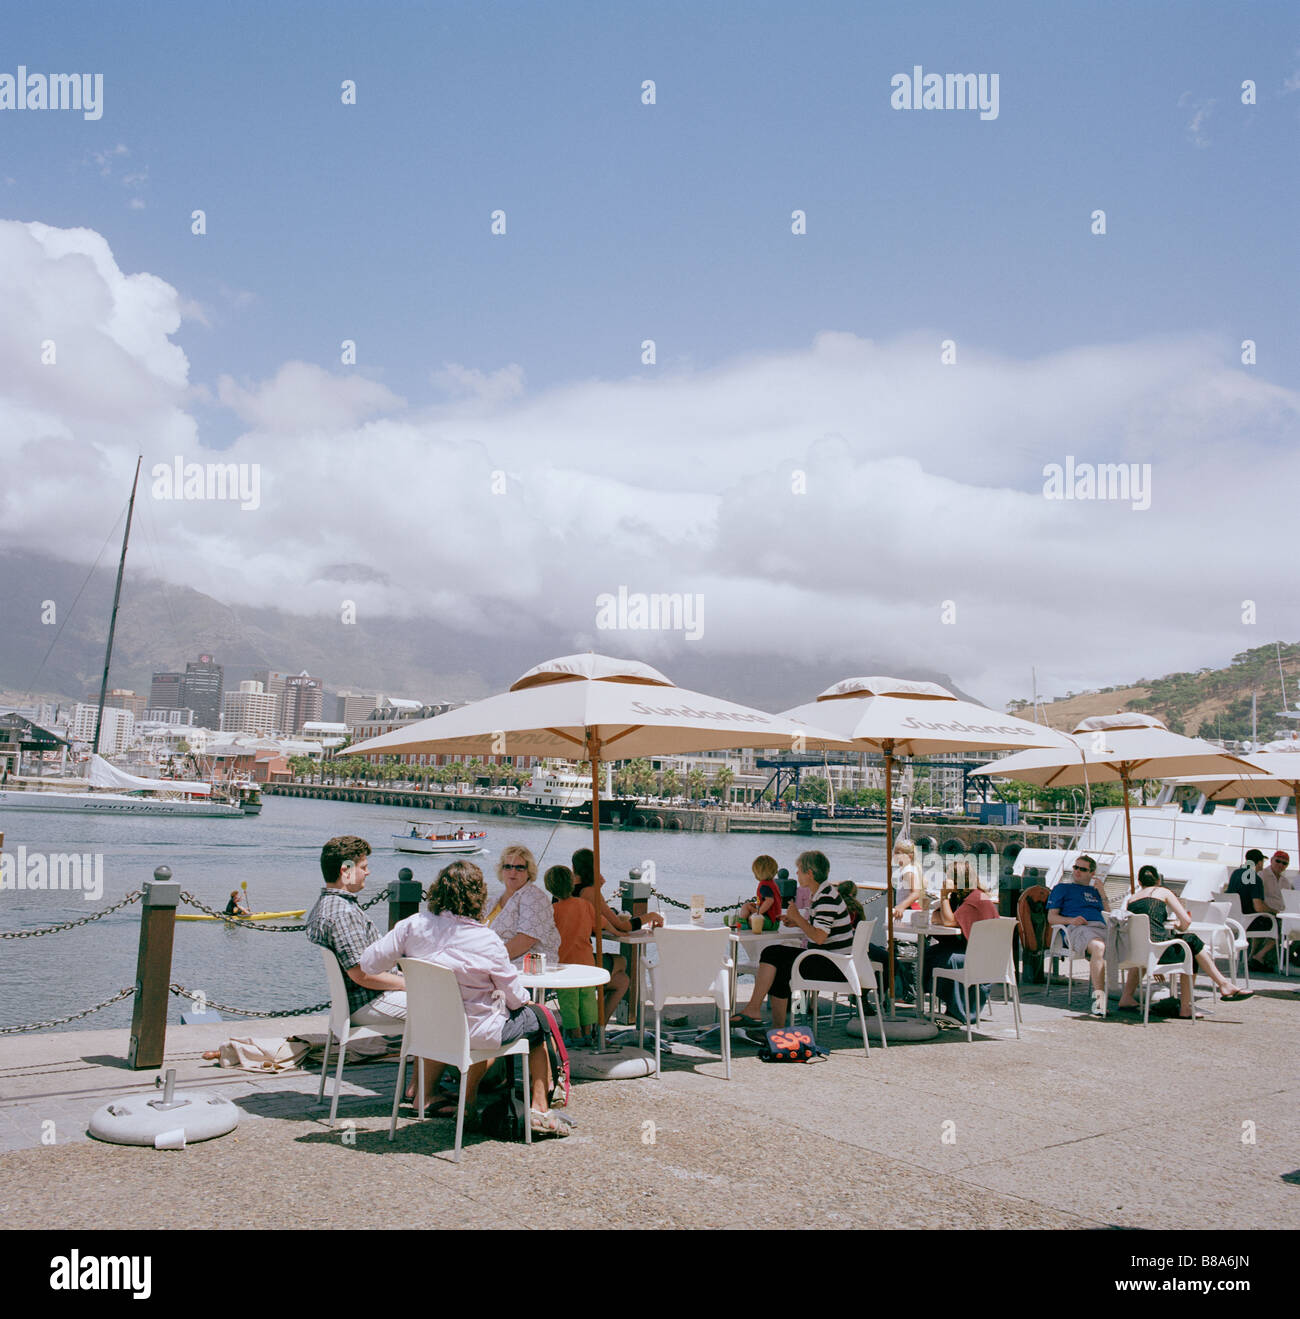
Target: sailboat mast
117,597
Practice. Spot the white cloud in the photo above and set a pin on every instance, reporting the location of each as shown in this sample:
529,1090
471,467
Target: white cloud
923,485
1201,111
305,398
487,387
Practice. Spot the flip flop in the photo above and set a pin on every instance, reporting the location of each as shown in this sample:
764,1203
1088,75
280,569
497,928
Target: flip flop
748,1023
1237,996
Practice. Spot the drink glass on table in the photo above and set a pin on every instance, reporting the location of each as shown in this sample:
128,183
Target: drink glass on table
697,907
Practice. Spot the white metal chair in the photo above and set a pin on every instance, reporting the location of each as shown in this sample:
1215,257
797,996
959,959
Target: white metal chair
340,1028
1058,950
1259,926
1140,954
437,1028
693,966
859,977
989,961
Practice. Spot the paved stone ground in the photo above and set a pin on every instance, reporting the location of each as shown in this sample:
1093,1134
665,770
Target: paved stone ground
1080,1123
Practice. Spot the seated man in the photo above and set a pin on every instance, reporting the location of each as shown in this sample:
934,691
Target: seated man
1247,883
1078,903
1274,879
337,922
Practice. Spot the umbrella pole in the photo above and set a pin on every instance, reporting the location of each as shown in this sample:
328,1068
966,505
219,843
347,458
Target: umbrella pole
1128,833
889,865
593,751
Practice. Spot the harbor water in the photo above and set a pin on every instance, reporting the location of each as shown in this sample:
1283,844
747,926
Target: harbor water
277,854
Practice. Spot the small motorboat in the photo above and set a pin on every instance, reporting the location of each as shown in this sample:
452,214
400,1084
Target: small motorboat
426,839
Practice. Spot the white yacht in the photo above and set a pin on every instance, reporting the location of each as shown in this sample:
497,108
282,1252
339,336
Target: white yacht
560,792
109,790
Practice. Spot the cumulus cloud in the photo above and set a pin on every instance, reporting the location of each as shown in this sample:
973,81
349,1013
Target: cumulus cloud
852,498
305,398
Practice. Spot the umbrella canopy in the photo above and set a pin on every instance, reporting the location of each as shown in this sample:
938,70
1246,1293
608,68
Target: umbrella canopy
1118,748
902,717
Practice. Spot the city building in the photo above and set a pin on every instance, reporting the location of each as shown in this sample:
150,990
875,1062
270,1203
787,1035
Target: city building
115,732
273,681
304,699
329,735
353,707
183,717
251,710
203,688
166,691
120,699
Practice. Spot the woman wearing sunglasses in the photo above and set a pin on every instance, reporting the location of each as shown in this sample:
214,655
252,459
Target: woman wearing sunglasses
522,914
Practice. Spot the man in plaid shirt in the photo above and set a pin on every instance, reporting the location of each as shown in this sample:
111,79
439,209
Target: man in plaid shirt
337,922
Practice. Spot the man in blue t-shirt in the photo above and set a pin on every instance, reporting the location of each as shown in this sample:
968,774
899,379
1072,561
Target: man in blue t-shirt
1079,907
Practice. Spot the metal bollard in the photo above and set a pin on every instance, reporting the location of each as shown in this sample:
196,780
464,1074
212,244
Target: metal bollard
153,971
636,902
403,897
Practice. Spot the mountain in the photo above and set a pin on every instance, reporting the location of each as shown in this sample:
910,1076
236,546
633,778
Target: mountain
161,626
1208,703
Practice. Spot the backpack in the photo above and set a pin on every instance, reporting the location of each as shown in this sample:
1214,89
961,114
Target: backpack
505,1116
790,1044
1031,912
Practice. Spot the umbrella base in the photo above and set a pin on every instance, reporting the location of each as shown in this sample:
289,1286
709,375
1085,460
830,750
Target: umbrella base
621,1064
902,1030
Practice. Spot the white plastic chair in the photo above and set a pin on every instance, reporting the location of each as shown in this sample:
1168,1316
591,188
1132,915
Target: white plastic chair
1266,926
1142,955
693,966
859,977
1290,907
340,1029
437,1028
1058,950
988,962
1226,941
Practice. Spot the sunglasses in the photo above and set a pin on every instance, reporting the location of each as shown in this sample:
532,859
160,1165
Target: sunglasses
1084,869
510,865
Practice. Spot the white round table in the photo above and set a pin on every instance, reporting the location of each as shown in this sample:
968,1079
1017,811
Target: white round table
567,975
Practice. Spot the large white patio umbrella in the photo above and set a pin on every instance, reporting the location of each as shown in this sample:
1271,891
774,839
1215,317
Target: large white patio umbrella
1119,748
1278,776
597,708
901,717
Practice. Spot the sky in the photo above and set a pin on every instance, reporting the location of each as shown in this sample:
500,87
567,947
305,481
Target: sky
877,332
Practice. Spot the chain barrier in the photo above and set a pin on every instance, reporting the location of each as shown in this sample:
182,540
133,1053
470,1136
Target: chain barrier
197,995
686,906
62,1021
242,921
72,925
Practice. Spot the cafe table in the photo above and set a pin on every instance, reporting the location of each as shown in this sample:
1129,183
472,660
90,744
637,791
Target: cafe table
919,925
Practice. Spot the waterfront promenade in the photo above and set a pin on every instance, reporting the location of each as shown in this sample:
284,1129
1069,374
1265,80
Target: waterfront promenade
1080,1124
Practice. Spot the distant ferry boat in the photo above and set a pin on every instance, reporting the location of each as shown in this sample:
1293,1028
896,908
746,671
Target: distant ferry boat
424,839
561,793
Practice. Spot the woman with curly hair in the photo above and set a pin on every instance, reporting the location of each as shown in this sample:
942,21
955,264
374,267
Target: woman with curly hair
497,1006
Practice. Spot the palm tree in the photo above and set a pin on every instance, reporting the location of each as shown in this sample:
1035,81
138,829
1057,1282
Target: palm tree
722,782
696,783
669,783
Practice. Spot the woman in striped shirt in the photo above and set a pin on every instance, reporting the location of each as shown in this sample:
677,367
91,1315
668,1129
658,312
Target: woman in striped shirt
830,928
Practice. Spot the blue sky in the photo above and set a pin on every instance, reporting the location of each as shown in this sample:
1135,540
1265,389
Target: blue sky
776,354
672,222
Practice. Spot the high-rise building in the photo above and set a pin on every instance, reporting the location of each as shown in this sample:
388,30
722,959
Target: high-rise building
303,700
115,731
166,691
121,699
204,681
353,707
251,710
273,681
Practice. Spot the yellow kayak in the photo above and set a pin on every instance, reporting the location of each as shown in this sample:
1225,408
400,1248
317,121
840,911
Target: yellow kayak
256,916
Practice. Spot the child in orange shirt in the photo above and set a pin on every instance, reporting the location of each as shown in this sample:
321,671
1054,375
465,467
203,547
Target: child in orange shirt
576,922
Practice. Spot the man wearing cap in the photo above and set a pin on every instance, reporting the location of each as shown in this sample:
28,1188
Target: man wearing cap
1248,884
1274,879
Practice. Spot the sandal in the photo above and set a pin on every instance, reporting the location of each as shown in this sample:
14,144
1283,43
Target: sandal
747,1022
1238,995
549,1123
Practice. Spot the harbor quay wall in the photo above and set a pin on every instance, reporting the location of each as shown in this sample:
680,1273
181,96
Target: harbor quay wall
949,838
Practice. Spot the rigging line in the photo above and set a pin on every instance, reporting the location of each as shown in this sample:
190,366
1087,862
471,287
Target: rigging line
40,668
151,543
